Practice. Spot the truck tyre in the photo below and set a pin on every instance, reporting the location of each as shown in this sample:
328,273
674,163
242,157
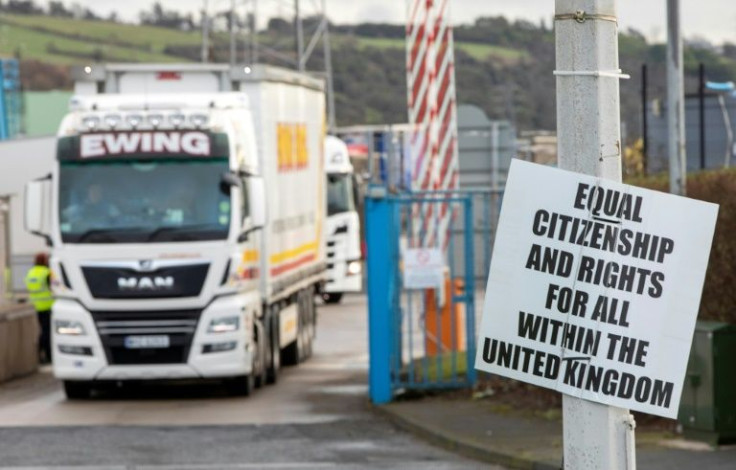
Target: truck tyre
77,390
293,353
290,354
308,322
273,361
259,366
313,312
242,385
332,297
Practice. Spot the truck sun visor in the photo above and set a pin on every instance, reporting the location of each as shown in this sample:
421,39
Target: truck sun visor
169,143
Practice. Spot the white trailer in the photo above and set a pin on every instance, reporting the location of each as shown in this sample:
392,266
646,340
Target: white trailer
344,254
186,214
22,160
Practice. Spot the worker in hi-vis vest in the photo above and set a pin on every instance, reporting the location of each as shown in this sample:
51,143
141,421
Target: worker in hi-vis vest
39,291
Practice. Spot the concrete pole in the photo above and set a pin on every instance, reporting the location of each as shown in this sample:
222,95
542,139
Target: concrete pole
595,436
675,101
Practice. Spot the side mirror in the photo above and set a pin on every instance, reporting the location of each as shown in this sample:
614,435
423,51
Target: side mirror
37,208
229,180
257,199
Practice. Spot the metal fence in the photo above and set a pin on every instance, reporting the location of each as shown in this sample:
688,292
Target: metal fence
424,338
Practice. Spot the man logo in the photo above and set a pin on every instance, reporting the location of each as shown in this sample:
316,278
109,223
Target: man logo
146,283
145,264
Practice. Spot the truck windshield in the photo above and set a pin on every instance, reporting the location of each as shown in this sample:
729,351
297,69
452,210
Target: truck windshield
340,194
129,201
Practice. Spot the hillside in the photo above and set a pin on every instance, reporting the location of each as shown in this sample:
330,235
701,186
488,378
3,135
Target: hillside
503,67
69,41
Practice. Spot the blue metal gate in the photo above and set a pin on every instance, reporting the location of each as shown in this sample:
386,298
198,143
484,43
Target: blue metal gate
424,338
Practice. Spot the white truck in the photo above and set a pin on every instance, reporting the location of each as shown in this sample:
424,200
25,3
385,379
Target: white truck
186,218
344,254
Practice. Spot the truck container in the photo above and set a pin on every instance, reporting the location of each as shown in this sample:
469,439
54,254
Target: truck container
186,216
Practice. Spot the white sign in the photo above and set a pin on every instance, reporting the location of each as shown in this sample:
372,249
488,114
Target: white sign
155,142
424,268
594,288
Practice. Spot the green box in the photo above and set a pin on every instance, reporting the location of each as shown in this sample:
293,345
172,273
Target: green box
708,404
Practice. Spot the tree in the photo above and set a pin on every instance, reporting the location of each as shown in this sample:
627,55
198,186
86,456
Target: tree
280,25
172,19
23,7
59,10
729,50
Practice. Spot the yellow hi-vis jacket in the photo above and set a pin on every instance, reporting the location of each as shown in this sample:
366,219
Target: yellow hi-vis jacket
38,288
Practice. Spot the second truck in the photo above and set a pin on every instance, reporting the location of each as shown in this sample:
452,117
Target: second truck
344,253
186,218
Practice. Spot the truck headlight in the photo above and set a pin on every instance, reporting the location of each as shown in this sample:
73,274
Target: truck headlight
355,267
69,327
224,325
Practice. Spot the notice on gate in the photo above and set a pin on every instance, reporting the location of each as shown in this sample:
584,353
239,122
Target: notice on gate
594,288
424,268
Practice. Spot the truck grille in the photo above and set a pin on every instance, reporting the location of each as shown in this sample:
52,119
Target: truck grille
124,283
178,325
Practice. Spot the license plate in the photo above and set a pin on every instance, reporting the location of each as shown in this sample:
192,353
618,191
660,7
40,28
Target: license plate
141,342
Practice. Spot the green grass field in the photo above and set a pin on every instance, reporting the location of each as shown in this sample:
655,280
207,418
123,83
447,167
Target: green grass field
33,36
477,51
146,37
35,45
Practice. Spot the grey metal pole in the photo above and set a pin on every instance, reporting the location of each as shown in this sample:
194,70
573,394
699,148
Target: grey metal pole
701,113
595,436
495,183
675,101
233,51
254,34
644,119
205,33
5,243
331,117
299,37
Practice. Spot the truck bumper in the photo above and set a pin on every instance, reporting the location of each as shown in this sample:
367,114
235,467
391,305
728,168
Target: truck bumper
87,357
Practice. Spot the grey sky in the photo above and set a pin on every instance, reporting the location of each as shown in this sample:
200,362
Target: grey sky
712,19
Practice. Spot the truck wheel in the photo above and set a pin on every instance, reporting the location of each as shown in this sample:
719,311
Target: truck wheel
273,362
332,297
290,354
77,390
307,330
312,313
259,366
241,385
293,353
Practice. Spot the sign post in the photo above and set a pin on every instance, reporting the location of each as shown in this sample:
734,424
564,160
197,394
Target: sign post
589,141
594,285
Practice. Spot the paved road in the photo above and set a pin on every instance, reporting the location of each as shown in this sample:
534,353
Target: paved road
317,416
